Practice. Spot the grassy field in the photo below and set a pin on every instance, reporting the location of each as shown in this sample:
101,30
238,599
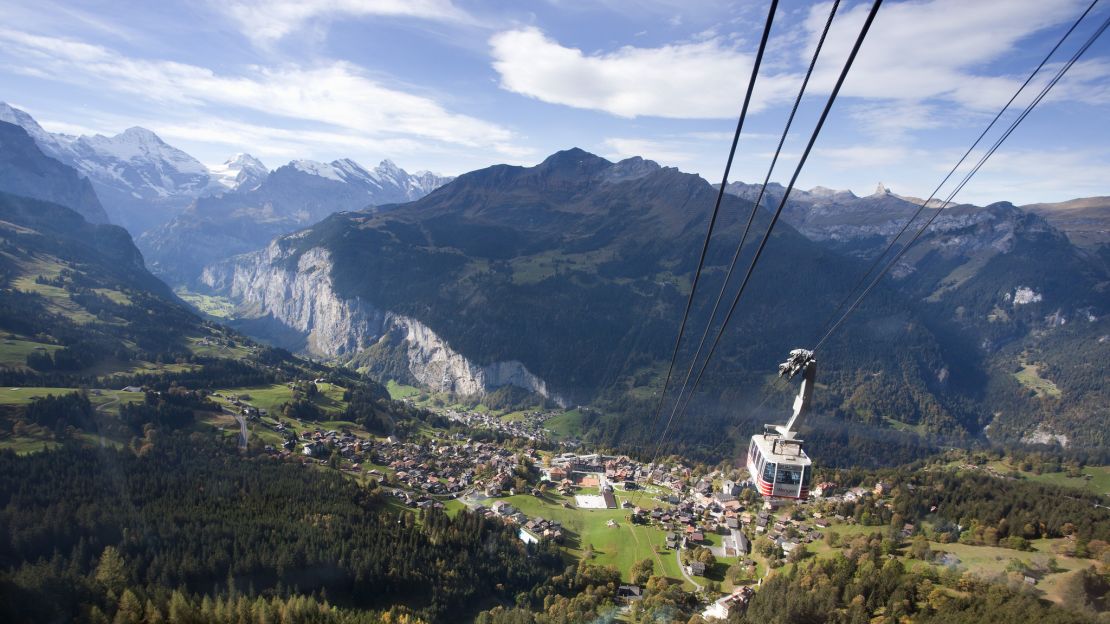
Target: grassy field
1099,481
113,295
898,425
33,438
984,561
565,425
57,299
536,268
1030,377
99,398
619,546
213,348
14,351
270,398
453,507
1095,479
23,396
399,391
219,307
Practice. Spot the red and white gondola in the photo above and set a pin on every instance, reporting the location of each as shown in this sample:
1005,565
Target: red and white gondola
777,463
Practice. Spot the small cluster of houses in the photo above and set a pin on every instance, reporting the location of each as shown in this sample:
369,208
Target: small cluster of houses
529,427
318,443
618,469
532,530
444,468
243,407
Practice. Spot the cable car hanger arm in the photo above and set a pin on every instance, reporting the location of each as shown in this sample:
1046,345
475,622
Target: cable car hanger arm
800,361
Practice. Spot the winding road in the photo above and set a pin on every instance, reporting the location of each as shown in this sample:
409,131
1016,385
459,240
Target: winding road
244,433
678,558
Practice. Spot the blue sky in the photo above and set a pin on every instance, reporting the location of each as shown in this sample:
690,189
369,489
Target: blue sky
454,86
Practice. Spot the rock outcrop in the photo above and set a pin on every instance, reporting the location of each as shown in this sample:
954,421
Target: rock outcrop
301,297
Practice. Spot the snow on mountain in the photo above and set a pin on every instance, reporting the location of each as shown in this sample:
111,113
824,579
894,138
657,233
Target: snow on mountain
241,172
46,141
386,183
311,167
140,179
138,162
143,182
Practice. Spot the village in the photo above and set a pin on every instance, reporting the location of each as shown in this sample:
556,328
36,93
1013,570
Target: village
705,528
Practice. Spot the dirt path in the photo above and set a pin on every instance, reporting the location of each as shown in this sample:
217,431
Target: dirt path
115,400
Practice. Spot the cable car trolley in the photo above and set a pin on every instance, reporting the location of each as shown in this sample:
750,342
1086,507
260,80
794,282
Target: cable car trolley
778,465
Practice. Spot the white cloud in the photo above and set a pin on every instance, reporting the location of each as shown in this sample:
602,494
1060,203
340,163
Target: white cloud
337,97
264,21
936,49
689,80
917,52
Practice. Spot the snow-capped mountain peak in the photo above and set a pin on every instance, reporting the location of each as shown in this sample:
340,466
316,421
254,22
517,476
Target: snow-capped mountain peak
47,142
140,179
144,147
351,171
241,172
316,168
386,183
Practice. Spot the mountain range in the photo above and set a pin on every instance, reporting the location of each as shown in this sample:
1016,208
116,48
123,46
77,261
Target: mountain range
567,279
841,217
27,172
293,196
185,215
141,180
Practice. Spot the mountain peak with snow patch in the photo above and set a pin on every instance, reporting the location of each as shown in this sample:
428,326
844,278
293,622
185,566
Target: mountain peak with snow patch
241,172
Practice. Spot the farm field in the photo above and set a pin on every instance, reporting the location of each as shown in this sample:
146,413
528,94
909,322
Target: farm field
984,561
1030,377
271,398
620,546
565,425
1095,479
31,438
400,391
14,351
218,307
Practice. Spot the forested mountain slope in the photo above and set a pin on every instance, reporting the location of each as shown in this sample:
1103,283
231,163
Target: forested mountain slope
578,269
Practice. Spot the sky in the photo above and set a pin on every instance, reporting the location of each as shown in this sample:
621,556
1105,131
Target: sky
452,86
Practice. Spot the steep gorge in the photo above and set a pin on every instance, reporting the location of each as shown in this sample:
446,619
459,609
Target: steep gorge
299,294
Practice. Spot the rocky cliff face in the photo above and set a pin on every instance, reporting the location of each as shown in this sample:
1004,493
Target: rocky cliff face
301,297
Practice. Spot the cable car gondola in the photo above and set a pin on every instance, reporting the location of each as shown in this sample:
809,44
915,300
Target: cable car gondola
778,465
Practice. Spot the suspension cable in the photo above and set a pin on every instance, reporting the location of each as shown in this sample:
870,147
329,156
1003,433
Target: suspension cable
716,208
782,203
878,259
1028,109
755,206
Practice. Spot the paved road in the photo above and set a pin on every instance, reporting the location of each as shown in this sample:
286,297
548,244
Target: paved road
678,558
244,433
